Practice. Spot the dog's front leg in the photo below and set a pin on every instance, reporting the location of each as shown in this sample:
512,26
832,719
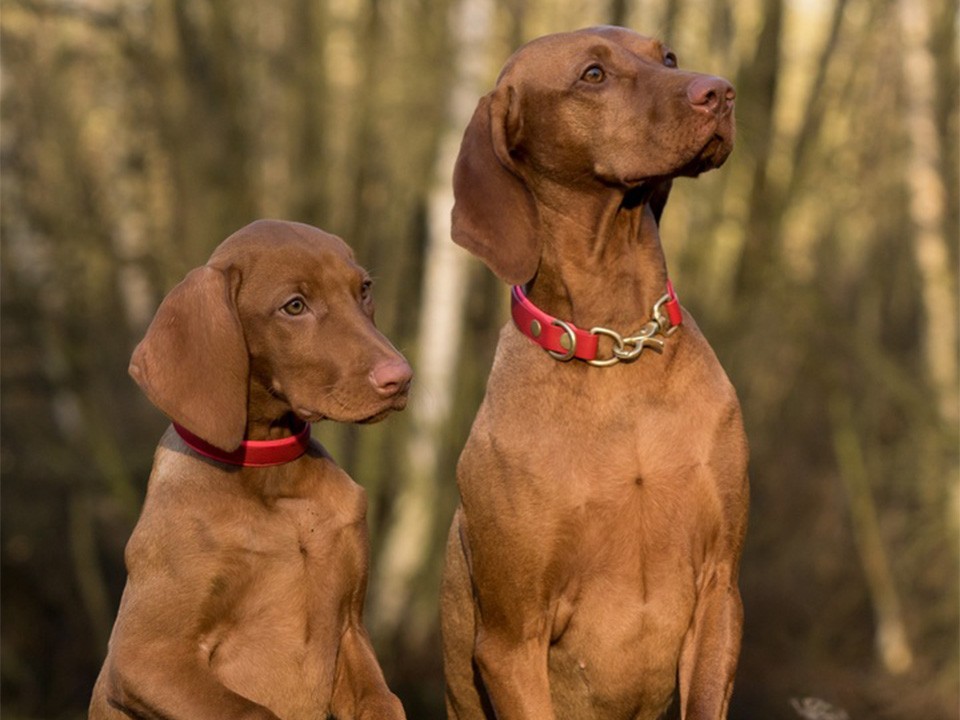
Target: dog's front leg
708,661
514,672
359,690
513,627
162,687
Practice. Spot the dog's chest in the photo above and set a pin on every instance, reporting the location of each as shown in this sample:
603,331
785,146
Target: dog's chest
295,552
293,565
615,493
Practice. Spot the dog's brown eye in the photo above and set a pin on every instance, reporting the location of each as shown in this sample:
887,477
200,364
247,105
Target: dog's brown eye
365,289
295,306
593,74
670,60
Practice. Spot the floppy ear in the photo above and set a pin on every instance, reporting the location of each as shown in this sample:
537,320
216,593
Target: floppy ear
494,214
193,362
658,197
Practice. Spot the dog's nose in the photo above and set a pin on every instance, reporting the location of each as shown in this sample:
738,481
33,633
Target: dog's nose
391,377
710,94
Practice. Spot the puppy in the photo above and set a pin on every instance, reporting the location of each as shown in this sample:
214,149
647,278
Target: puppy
247,569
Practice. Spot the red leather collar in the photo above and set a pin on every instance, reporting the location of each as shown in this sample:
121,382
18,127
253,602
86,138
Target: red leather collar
565,341
252,453
547,331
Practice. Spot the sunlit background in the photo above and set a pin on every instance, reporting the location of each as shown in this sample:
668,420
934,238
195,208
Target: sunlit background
821,261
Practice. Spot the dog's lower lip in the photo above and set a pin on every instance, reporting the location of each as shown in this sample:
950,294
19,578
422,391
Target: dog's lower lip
376,417
398,403
310,416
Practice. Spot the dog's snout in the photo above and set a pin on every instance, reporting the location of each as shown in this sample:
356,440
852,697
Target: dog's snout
391,377
710,94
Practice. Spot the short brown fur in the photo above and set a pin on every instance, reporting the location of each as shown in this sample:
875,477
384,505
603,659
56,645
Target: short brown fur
245,585
592,565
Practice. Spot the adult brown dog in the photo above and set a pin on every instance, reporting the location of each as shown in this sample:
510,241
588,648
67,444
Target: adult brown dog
247,569
592,565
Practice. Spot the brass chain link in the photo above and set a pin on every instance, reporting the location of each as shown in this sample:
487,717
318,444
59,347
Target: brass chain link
628,349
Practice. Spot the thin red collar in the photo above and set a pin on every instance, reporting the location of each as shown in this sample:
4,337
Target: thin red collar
565,341
252,453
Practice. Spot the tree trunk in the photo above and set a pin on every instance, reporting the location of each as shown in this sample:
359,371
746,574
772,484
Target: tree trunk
619,10
760,80
927,193
891,640
408,539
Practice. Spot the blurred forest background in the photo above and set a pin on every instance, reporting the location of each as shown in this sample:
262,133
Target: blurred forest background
821,262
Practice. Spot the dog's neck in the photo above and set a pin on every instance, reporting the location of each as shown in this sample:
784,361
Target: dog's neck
269,416
601,262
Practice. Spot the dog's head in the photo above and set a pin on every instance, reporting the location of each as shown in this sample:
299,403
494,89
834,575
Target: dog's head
594,110
279,320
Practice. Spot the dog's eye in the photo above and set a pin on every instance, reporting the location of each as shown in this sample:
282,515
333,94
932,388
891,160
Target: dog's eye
593,74
295,306
365,289
670,60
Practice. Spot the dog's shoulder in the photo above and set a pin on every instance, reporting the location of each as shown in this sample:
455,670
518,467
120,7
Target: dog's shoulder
333,486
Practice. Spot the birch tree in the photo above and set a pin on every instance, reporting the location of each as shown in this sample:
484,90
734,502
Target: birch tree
407,544
927,207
